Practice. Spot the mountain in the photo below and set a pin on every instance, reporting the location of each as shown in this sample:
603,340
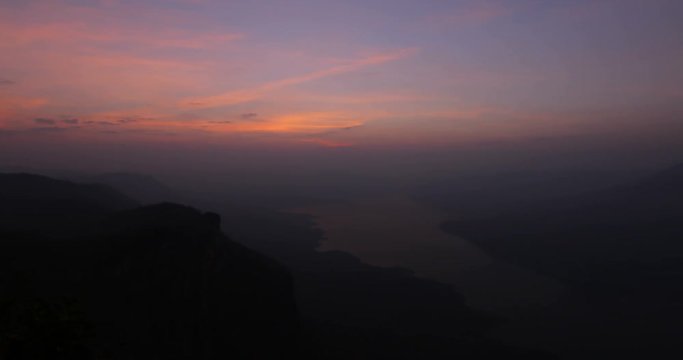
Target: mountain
490,194
157,282
585,239
618,250
353,310
39,195
90,274
41,204
143,188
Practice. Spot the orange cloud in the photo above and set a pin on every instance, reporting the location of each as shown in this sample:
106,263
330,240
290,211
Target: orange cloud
241,96
15,102
14,106
90,25
304,123
287,124
84,58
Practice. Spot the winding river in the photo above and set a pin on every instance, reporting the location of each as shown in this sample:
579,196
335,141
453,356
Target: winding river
396,231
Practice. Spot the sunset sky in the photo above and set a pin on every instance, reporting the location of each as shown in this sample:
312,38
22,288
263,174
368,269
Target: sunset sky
338,74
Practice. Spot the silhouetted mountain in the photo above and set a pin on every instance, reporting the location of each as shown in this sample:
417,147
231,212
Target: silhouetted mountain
487,195
40,195
620,250
353,310
38,203
158,282
202,295
163,282
143,188
634,223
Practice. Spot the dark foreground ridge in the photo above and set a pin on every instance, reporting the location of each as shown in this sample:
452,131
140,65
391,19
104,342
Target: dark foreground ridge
157,282
87,274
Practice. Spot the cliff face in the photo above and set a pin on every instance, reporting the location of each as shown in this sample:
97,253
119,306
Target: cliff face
180,289
158,282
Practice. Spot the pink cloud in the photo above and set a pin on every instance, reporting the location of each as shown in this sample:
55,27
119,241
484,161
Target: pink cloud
14,107
246,95
97,35
104,24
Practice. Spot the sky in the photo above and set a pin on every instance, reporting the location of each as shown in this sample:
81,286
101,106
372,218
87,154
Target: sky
121,80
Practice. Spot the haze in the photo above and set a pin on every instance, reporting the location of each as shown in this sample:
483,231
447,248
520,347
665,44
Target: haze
201,85
463,140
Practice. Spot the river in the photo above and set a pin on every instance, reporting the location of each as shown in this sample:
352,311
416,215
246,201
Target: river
396,231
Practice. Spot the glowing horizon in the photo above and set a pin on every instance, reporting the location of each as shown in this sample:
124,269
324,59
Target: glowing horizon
336,74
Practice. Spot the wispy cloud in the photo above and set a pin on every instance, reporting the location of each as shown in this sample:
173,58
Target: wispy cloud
249,116
13,107
80,25
296,123
44,121
54,122
247,95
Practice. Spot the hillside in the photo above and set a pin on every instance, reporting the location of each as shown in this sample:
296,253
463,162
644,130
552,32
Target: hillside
620,252
82,278
152,282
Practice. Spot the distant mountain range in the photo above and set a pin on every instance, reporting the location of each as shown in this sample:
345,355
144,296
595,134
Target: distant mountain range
586,238
620,250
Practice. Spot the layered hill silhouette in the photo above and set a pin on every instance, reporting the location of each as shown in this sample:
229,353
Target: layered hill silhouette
623,239
35,194
619,251
157,282
86,272
143,188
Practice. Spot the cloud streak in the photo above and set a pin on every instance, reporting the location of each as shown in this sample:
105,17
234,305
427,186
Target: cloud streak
247,95
74,25
44,121
302,123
